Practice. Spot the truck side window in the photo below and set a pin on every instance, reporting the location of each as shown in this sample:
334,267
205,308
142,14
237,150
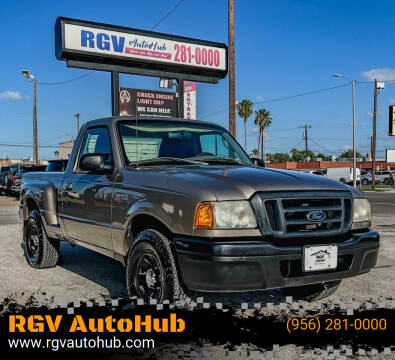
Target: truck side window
97,140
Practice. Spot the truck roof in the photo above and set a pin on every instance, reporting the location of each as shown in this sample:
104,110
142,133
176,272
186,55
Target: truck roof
138,118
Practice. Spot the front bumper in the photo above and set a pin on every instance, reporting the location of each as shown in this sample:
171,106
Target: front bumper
257,265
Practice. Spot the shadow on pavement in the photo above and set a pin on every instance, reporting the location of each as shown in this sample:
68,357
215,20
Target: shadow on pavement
95,267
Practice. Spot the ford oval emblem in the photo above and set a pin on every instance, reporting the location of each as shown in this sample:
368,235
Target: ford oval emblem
316,216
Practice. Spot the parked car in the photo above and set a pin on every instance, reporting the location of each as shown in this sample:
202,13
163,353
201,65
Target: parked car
366,178
17,178
193,212
343,174
385,177
3,170
7,178
56,165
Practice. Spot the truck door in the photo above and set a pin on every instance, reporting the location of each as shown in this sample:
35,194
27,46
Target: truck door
87,195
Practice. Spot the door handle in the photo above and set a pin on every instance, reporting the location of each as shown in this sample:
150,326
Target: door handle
69,186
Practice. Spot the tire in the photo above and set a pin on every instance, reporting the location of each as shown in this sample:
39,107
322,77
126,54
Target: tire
365,182
152,258
41,252
312,292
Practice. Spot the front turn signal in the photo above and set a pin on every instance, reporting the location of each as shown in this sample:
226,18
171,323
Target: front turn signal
204,216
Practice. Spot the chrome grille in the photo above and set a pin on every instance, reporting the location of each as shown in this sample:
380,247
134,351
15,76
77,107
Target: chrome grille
284,214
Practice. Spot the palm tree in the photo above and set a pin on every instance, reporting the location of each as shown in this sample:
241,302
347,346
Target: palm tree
263,120
245,109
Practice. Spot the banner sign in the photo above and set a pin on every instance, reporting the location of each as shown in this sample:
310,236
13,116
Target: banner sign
109,44
189,100
391,121
147,103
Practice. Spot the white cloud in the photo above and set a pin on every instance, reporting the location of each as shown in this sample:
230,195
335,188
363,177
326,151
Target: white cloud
379,74
391,101
259,97
356,123
14,95
346,147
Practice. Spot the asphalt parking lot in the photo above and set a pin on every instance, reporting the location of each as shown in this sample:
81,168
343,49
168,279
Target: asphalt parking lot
83,274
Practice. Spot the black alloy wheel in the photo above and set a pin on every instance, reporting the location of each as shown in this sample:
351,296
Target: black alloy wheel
33,242
148,276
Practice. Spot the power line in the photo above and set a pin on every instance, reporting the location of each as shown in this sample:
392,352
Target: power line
67,81
167,14
330,151
29,146
282,98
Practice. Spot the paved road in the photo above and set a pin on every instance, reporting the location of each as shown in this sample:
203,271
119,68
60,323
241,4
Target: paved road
383,203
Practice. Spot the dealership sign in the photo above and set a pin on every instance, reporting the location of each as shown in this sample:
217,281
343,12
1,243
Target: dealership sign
147,103
189,100
108,44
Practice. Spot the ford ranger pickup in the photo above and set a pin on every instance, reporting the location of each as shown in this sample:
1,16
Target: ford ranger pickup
184,208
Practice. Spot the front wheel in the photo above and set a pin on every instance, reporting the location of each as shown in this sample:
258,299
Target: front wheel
40,251
151,272
365,182
312,292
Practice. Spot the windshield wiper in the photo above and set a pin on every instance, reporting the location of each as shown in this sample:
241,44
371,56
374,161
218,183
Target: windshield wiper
224,160
166,160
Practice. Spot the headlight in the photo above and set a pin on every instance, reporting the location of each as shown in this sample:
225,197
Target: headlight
224,215
361,214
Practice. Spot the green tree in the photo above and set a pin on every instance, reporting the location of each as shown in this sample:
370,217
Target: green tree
245,109
255,152
278,157
321,156
301,155
349,154
263,120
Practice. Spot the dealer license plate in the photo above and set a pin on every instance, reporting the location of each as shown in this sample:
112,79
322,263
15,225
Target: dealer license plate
317,258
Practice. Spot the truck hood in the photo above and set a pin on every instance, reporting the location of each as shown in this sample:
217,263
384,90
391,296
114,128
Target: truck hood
239,182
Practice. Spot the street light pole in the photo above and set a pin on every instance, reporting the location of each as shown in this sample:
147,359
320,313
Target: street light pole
29,76
354,132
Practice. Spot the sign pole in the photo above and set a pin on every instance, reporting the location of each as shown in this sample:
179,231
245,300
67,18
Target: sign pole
232,90
180,98
115,93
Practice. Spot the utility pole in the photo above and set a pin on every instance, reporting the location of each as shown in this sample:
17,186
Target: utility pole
232,90
306,136
77,116
374,136
35,146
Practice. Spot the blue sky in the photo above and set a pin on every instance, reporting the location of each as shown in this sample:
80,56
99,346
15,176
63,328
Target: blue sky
283,47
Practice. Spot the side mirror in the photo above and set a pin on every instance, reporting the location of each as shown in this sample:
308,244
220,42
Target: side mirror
259,162
94,162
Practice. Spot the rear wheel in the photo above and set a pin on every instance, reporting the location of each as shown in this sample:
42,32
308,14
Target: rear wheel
312,292
40,251
365,182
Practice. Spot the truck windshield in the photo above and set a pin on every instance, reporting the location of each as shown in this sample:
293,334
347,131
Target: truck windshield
155,139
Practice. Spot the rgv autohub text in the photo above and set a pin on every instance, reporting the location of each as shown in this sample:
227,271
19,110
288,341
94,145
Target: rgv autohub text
138,323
